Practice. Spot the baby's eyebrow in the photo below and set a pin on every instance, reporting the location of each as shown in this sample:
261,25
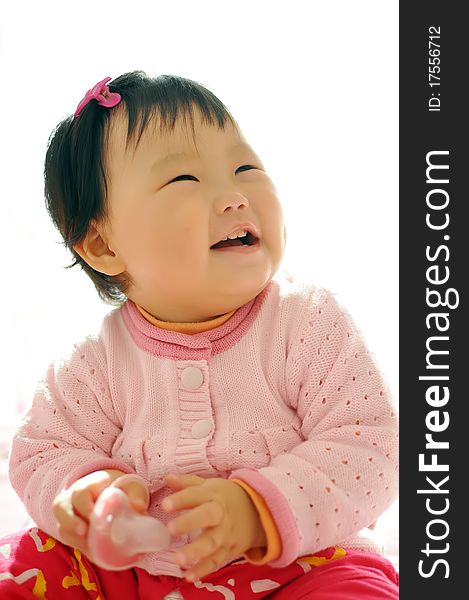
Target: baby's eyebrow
173,157
177,156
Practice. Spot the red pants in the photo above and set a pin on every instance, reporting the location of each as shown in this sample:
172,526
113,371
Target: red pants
34,565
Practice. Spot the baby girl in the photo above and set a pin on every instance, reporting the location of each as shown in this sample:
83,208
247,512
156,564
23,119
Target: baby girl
248,410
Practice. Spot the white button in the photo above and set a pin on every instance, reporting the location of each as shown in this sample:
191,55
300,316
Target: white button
192,378
201,429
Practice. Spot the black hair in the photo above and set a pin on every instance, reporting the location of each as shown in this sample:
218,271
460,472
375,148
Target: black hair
74,172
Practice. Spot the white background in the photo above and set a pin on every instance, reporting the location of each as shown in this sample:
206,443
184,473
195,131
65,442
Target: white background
314,87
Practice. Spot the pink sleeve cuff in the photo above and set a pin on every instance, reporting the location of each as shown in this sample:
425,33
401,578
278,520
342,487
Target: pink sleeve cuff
281,513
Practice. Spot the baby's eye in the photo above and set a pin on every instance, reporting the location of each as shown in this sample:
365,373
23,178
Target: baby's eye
180,178
245,168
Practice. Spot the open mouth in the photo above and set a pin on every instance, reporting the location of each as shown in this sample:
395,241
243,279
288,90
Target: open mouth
248,240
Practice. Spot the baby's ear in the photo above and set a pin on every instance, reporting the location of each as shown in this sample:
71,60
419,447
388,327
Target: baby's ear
94,249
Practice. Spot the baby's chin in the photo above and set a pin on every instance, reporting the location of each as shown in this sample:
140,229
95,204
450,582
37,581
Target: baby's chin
236,297
217,295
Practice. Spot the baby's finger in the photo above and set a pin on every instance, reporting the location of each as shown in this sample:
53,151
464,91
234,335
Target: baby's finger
187,498
136,489
82,502
176,481
138,496
206,545
69,521
207,565
66,517
206,515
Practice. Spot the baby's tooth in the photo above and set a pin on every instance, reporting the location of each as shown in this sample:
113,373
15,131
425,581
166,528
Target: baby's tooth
239,233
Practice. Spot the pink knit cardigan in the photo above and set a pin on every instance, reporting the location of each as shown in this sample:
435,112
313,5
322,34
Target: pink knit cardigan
284,395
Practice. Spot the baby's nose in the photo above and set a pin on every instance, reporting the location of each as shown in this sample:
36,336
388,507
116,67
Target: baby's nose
231,201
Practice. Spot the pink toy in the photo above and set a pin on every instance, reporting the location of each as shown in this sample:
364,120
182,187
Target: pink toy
118,534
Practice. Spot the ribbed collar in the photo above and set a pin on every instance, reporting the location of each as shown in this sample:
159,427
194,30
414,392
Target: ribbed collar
189,328
182,346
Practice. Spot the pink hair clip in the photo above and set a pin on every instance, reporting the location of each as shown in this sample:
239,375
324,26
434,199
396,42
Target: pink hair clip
101,93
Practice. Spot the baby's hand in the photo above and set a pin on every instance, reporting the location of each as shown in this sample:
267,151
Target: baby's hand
72,507
227,516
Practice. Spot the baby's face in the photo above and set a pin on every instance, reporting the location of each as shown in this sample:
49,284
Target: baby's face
165,214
